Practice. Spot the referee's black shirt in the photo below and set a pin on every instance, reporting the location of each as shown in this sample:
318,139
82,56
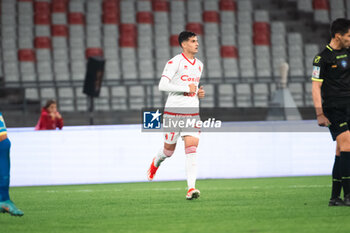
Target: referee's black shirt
332,67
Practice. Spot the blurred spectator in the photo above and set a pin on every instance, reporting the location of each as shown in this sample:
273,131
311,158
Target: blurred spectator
50,118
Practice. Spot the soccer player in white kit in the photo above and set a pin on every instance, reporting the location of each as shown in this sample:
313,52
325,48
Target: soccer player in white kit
180,78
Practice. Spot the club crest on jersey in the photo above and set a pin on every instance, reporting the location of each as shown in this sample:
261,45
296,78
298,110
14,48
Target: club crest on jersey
344,63
170,62
186,67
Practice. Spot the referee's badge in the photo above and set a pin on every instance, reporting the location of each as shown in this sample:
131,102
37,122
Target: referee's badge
344,63
316,72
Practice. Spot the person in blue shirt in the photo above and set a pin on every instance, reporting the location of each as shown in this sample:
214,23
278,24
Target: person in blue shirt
6,205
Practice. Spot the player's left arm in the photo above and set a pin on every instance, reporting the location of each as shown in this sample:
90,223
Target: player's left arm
201,93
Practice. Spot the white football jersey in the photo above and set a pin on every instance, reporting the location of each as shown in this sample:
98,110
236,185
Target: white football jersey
182,71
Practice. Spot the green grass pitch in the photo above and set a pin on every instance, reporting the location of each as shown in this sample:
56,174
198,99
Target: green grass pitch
290,204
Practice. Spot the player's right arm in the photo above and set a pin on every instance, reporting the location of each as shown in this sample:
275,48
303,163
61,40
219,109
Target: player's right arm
322,120
166,85
169,72
317,81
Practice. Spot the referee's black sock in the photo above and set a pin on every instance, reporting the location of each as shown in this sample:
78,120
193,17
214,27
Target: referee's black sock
345,171
336,177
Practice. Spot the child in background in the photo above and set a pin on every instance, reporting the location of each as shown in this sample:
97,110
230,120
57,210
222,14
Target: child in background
50,118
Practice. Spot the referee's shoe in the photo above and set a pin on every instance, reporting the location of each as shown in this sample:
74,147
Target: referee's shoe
337,201
347,200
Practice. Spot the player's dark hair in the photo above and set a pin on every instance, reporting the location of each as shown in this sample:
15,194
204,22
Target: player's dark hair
48,103
340,25
185,35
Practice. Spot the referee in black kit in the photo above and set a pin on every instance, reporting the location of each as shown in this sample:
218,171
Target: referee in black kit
331,80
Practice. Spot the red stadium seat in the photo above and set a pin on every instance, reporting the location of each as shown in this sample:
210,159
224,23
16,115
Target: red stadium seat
227,5
110,6
229,52
174,41
110,3
261,28
261,39
128,30
42,18
26,55
42,7
42,43
211,17
321,4
93,52
59,6
195,27
261,32
144,17
128,35
59,30
76,18
111,18
127,41
160,5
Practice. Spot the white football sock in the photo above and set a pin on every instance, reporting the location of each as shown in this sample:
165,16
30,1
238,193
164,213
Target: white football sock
162,155
191,169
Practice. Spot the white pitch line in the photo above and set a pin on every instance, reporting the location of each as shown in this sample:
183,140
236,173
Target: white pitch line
178,189
108,190
310,186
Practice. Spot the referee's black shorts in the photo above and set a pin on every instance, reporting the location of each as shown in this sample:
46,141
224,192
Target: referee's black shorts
339,116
